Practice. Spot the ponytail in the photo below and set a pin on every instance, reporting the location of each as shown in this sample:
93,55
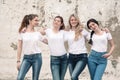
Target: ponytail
88,22
90,41
25,21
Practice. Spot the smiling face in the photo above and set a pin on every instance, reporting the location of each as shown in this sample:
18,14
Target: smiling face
93,26
73,21
57,22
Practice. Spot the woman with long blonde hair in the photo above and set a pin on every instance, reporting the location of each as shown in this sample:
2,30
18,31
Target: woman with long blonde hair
76,47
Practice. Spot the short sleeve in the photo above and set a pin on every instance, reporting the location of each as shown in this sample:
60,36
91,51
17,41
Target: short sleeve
41,37
109,36
20,36
86,34
65,35
47,31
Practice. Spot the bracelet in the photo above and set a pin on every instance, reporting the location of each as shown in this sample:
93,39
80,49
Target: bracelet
18,61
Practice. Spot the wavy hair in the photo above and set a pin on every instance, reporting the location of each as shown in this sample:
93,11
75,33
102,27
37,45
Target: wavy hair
78,28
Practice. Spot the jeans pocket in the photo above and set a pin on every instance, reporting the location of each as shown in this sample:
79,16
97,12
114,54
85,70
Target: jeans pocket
103,60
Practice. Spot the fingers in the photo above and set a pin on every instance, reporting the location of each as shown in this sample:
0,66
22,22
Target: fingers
18,66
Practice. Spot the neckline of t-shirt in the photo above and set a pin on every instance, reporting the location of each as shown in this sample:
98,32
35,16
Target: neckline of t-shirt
31,32
101,34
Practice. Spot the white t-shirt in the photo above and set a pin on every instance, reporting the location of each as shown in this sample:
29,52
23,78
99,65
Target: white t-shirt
100,42
56,42
77,47
30,42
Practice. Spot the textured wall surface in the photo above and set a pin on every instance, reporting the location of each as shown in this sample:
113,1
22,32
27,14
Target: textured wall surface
107,12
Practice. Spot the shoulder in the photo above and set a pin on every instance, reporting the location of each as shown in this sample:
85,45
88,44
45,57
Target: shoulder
48,29
85,32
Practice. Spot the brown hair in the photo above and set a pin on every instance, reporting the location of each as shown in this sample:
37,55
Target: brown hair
62,22
78,28
92,32
25,21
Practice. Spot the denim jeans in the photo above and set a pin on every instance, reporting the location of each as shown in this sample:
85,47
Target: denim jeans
59,66
77,63
34,60
96,64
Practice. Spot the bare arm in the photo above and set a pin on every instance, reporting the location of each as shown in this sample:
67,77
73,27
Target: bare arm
19,51
111,42
112,46
105,29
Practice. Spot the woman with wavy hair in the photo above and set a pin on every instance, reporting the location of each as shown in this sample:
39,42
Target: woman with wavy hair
76,47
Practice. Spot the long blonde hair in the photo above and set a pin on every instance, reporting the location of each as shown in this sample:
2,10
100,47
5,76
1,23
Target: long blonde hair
78,28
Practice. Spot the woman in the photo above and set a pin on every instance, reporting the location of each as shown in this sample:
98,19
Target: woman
97,59
56,39
28,45
76,47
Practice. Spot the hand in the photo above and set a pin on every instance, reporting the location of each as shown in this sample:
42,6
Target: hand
106,55
105,29
18,66
42,30
23,30
45,41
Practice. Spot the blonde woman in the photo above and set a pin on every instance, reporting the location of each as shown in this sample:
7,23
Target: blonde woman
76,47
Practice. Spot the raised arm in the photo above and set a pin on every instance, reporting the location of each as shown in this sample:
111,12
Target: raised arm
42,31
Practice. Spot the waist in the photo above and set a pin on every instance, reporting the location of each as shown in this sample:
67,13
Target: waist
96,53
32,55
57,53
78,55
60,55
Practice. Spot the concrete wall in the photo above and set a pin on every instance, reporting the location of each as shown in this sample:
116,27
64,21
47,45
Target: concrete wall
107,12
11,14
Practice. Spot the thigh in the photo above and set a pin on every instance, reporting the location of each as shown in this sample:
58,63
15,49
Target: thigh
71,67
55,67
36,66
92,68
63,67
79,67
64,63
25,66
100,71
71,63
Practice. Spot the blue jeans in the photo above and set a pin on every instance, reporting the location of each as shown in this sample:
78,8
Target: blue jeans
34,60
96,64
59,66
77,63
